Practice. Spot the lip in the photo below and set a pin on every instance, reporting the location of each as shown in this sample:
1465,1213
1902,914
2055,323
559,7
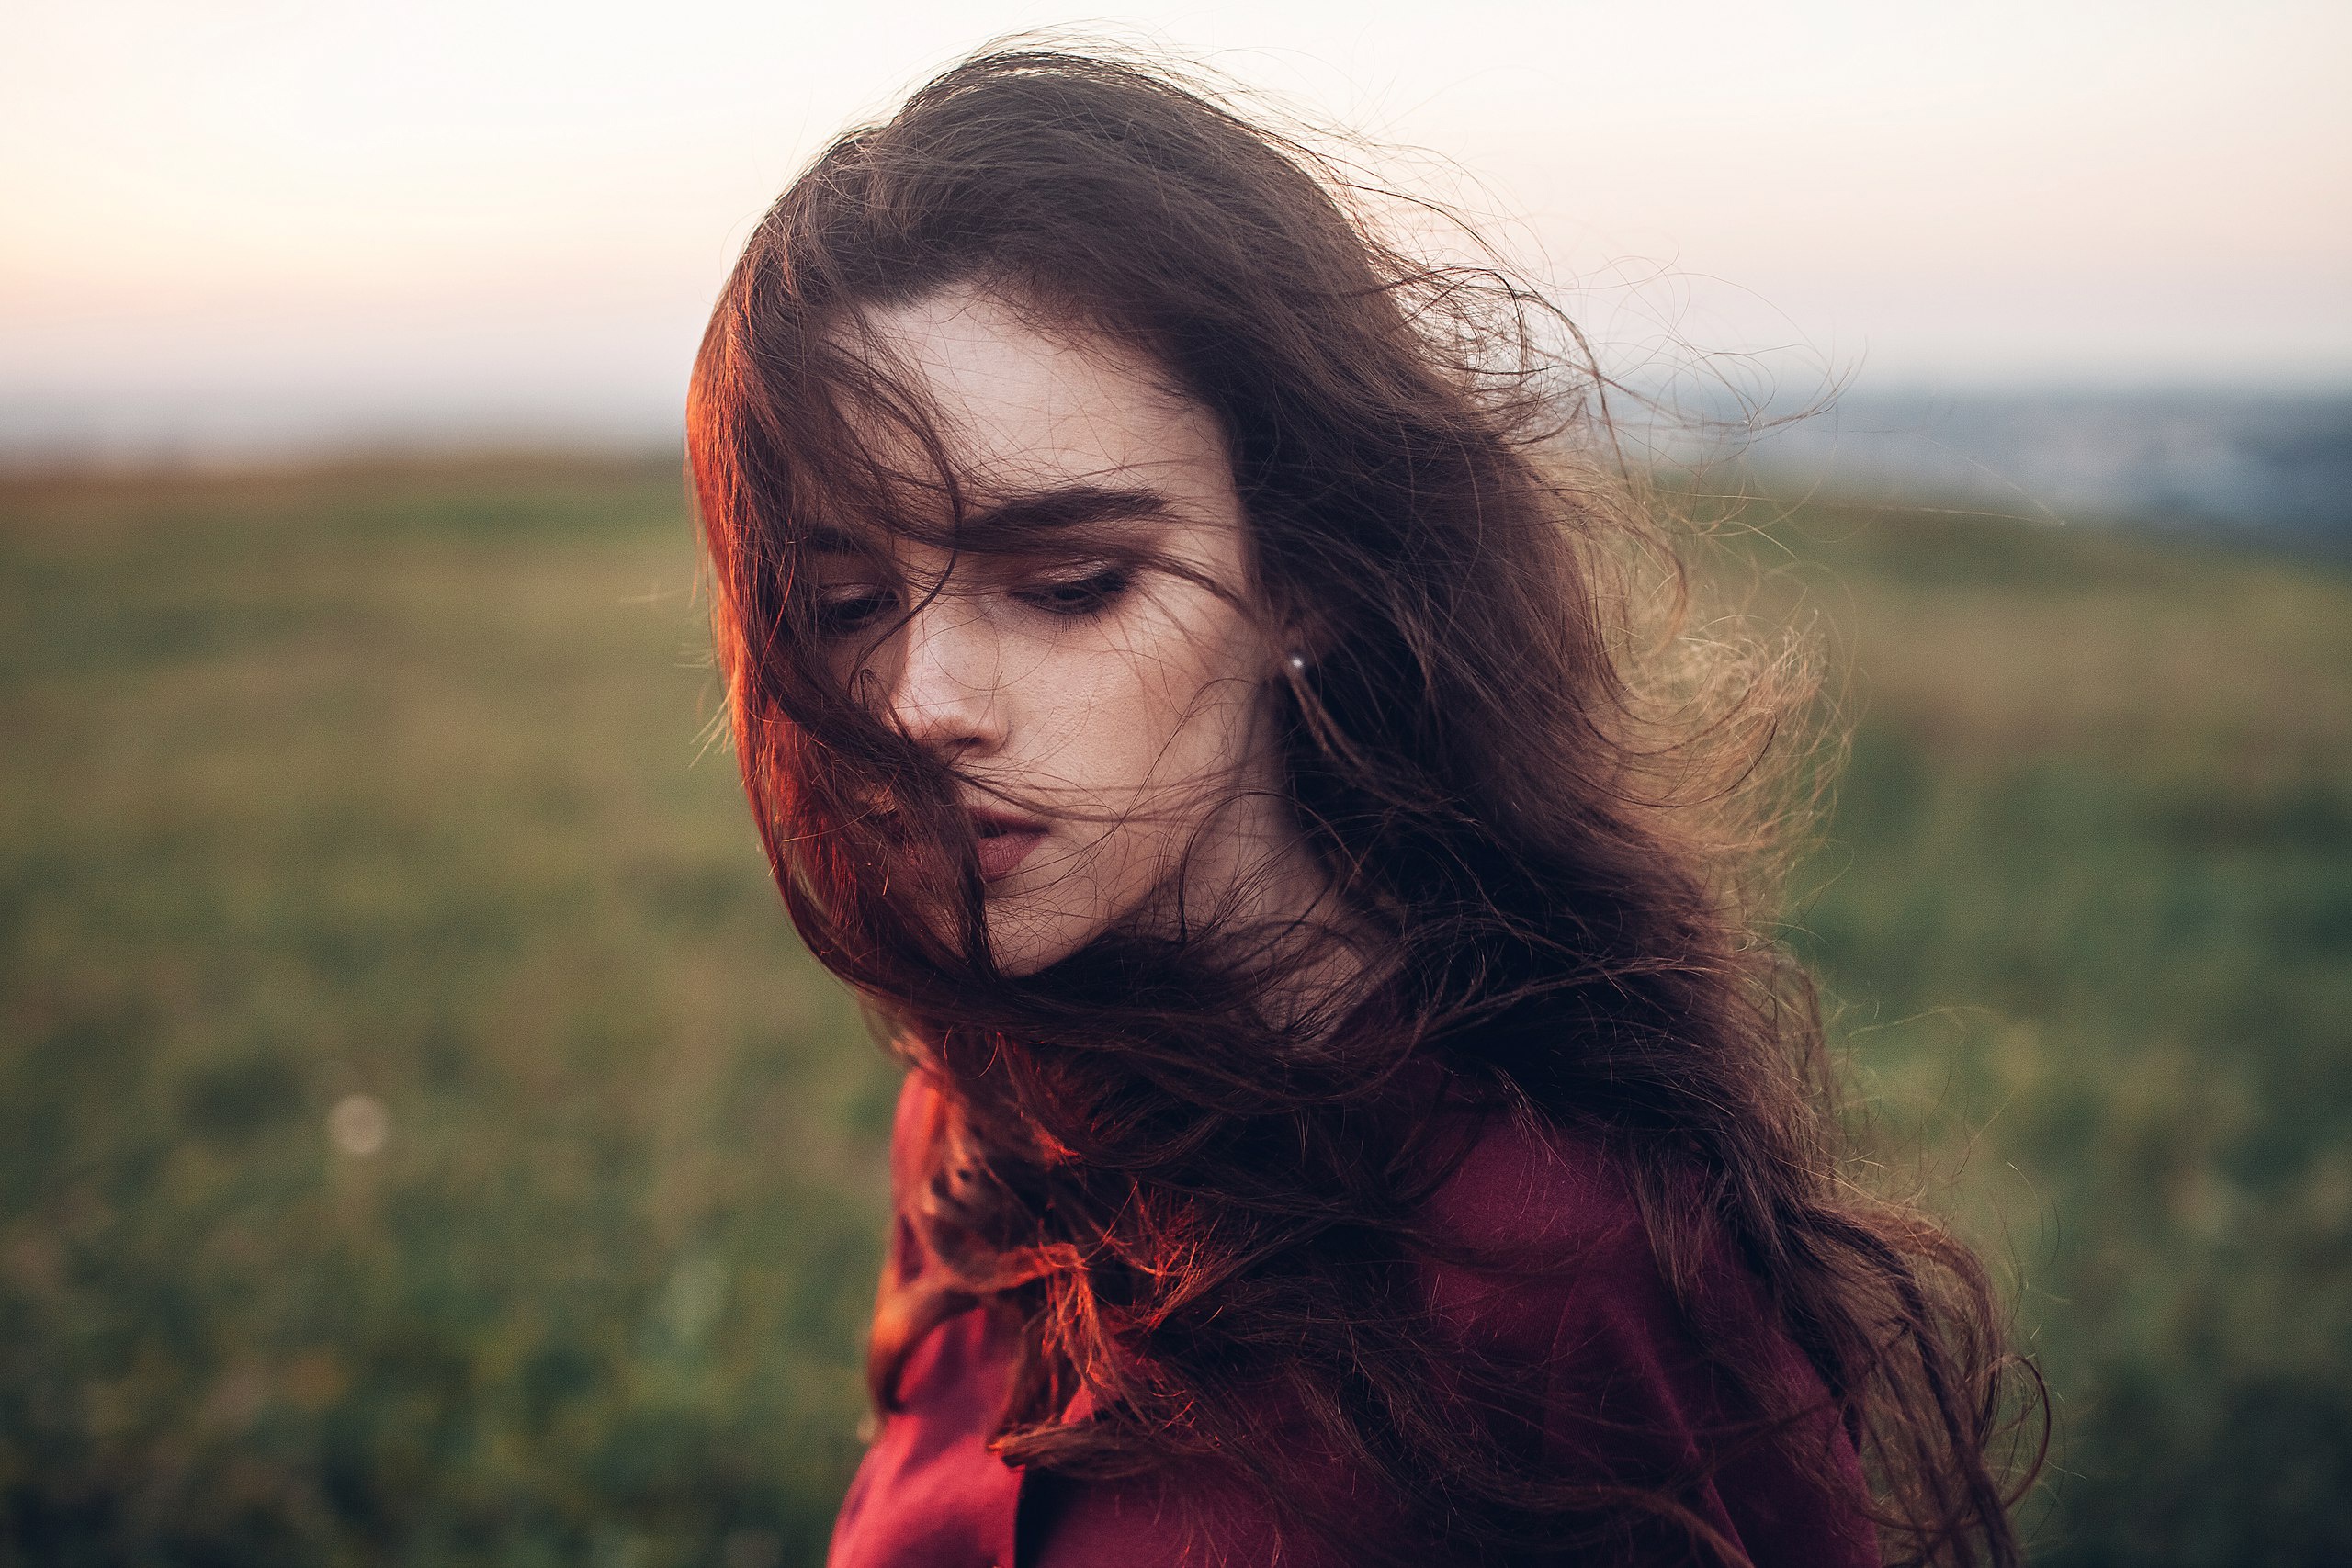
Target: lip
1004,842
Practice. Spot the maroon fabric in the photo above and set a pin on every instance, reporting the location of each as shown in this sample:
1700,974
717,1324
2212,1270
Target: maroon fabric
1616,1389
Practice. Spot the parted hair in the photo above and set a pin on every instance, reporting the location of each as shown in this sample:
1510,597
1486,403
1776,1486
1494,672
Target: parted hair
1547,810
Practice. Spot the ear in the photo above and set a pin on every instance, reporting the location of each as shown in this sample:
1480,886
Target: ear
1299,643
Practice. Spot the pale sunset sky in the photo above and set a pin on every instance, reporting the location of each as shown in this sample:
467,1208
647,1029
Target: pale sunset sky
238,224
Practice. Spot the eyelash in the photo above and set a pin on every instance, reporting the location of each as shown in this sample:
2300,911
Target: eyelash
1075,598
854,613
1069,599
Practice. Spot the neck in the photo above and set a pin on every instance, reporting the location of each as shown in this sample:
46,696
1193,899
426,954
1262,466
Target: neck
1255,876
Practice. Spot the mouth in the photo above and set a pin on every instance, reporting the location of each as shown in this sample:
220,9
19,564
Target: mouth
1004,843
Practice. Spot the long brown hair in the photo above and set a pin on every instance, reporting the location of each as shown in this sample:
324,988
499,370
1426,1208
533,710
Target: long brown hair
1543,814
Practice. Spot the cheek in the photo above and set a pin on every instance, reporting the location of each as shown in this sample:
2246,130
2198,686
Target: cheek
1159,725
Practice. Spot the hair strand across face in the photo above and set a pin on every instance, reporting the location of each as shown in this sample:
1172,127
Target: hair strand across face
1184,1162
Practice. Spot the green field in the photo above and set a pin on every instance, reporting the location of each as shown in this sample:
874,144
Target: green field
395,785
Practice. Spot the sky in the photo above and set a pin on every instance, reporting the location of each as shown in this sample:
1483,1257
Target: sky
233,224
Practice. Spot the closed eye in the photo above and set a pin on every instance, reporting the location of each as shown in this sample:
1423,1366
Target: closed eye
840,612
1075,598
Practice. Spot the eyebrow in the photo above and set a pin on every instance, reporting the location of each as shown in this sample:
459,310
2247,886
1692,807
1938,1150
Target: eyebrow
1064,506
1070,506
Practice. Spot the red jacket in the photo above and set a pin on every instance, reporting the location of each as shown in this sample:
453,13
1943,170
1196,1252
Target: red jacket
1608,1367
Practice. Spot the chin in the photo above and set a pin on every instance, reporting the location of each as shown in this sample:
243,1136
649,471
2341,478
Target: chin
1027,933
1020,949
1033,924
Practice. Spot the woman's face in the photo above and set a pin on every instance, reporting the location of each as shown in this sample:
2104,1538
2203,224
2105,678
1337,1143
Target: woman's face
1108,714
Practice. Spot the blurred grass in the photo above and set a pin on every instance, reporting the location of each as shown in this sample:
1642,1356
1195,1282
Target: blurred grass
2086,897
388,782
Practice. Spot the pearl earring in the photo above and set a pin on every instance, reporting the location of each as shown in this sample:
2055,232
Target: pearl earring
1298,663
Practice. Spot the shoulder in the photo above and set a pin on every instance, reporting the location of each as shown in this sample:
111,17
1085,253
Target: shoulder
1546,1277
1533,1222
1543,1254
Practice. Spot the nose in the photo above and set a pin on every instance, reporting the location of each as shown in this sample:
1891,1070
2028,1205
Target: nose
941,677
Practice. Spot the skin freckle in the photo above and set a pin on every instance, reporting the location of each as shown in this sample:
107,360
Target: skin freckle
1137,735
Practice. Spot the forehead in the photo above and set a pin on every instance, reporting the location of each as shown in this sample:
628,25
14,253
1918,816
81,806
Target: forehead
1021,406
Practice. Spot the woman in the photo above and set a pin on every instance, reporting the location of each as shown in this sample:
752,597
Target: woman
1186,686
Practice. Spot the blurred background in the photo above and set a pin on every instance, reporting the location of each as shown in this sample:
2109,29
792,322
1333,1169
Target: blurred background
420,1140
